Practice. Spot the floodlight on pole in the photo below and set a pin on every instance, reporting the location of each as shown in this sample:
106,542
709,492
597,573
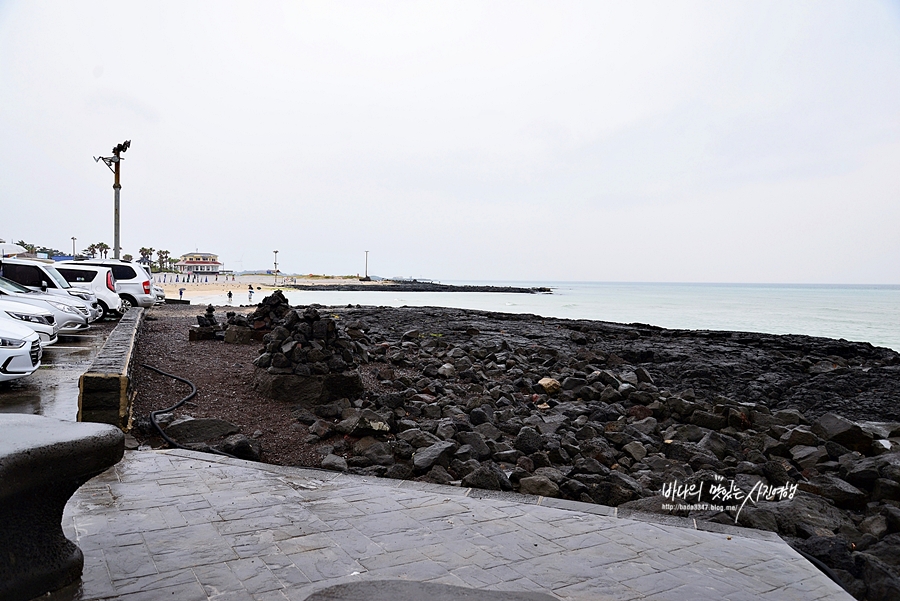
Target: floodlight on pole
116,160
276,267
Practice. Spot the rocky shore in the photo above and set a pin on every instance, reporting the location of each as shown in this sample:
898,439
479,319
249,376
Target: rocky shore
793,434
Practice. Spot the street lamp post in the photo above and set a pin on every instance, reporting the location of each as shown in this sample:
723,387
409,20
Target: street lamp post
367,265
276,267
73,246
116,160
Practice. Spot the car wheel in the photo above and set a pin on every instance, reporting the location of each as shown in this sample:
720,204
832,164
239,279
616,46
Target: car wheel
127,303
106,311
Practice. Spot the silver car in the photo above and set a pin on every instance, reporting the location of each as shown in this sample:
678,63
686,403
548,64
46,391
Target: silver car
69,315
38,319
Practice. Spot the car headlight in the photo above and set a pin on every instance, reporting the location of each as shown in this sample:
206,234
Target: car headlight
26,317
11,342
81,295
62,307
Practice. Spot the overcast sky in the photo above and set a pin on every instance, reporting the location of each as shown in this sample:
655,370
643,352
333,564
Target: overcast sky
621,141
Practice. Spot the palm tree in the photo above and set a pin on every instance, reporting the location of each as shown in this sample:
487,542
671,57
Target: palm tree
103,249
91,250
127,257
31,248
162,259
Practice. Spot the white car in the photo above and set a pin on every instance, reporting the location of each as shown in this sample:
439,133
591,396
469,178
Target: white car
132,282
100,281
34,318
69,316
20,351
42,276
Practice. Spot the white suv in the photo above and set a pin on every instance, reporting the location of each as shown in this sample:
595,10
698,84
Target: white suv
132,282
41,276
20,351
99,280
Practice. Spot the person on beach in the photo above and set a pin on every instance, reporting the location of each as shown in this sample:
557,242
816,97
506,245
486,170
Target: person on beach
229,297
180,293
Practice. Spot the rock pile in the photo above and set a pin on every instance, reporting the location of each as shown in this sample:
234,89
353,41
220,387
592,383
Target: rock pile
607,414
207,327
306,357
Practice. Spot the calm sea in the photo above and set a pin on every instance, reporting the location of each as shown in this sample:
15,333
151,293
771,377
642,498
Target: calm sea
861,313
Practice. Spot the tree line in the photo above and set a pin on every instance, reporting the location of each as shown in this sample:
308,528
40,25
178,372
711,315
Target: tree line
163,262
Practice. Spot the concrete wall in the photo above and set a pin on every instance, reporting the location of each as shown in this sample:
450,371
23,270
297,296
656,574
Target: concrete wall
105,391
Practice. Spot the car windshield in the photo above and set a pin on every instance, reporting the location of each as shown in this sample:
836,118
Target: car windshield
57,277
11,287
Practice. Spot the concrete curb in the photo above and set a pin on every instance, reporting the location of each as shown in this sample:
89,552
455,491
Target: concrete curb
104,391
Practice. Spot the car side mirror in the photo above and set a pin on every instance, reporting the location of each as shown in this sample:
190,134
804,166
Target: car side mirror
43,286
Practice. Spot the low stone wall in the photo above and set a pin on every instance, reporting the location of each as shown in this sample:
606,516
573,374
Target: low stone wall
105,391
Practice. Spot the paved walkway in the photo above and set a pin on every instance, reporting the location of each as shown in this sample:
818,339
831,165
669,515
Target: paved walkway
193,527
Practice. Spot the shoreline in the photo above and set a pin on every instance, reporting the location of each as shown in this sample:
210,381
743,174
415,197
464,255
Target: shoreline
265,283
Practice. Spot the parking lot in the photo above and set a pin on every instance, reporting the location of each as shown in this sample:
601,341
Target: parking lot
53,389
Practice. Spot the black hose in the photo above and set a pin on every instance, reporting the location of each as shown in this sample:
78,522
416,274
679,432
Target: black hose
192,394
823,568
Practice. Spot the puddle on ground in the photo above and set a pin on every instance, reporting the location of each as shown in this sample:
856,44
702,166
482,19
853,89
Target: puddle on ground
52,390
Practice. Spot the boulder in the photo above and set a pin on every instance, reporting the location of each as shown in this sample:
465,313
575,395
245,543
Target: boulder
711,421
807,457
538,485
800,435
308,390
438,453
844,494
842,431
242,447
487,476
636,450
529,441
447,371
476,442
335,463
549,385
807,515
239,335
192,430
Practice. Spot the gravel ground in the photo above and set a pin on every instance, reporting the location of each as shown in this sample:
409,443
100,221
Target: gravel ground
223,376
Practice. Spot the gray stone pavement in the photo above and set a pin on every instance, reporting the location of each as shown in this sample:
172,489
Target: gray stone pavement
194,527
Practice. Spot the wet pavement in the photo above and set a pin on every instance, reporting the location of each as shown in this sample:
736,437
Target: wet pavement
188,526
52,390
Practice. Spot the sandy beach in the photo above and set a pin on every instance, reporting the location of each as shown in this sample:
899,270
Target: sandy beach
240,284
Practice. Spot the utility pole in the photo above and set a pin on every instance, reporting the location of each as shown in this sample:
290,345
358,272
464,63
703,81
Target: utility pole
276,267
73,246
367,264
116,160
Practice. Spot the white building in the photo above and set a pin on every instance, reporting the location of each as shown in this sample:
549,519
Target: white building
199,264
